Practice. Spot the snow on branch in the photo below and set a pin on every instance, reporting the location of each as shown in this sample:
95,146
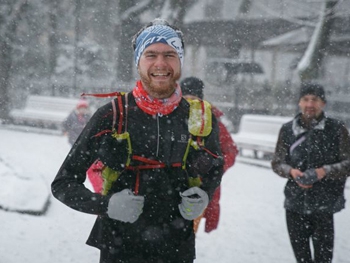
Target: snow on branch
306,60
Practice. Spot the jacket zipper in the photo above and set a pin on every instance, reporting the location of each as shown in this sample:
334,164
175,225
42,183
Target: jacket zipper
158,133
308,144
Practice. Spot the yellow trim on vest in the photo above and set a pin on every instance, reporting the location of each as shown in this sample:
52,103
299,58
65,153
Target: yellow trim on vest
184,158
194,181
124,136
109,177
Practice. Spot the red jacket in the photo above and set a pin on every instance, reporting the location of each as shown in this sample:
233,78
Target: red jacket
229,151
227,145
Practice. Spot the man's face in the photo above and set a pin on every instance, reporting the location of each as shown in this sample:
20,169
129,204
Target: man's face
159,68
311,106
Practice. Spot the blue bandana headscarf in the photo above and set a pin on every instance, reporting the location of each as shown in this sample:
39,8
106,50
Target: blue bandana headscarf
158,34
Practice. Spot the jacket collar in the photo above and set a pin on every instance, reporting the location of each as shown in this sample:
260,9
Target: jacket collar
299,129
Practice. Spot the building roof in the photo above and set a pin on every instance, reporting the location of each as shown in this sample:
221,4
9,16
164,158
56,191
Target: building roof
264,33
248,32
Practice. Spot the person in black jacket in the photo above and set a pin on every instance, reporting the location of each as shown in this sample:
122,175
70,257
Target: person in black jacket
160,172
313,153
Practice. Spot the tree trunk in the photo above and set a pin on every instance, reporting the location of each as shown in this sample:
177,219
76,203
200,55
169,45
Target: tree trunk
5,68
8,28
128,26
77,11
53,41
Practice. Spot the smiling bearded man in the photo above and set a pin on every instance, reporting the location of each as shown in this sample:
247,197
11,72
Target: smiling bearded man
158,173
159,58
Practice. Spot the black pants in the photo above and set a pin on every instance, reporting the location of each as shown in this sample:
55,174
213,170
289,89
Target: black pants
107,257
318,228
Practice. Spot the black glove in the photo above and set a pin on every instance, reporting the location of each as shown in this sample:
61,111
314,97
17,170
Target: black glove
113,153
309,177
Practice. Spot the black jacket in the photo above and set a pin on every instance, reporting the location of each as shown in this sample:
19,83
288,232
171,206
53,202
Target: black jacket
160,230
326,144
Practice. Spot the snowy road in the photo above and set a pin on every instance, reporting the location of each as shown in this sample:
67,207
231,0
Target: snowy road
252,227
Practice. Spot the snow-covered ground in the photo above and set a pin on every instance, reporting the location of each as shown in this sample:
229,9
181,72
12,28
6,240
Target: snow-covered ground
252,227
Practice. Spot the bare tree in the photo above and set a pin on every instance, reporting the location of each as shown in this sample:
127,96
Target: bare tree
174,11
53,42
311,63
10,14
77,11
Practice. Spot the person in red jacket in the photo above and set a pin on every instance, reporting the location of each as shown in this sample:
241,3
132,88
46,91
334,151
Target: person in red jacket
192,88
76,121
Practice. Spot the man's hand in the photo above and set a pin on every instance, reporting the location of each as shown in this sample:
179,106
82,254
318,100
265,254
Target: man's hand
309,177
321,173
125,206
194,201
296,173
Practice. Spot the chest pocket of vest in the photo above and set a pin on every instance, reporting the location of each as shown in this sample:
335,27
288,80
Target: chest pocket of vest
200,122
197,159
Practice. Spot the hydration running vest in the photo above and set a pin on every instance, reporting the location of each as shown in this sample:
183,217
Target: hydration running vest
199,126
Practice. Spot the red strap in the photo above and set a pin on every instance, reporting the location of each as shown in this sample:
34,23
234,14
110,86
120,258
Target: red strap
145,160
200,141
121,113
126,111
114,114
212,154
101,95
102,132
137,183
149,164
203,121
145,166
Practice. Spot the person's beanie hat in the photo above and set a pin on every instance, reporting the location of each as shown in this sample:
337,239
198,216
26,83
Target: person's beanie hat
82,104
192,86
158,31
312,89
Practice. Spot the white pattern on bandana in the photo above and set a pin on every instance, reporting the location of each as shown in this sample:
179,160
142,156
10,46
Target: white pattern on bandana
158,34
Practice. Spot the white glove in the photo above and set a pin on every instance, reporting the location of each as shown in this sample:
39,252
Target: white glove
125,206
194,201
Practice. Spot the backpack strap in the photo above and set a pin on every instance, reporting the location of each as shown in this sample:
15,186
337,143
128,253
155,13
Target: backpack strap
199,126
109,175
117,133
121,113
